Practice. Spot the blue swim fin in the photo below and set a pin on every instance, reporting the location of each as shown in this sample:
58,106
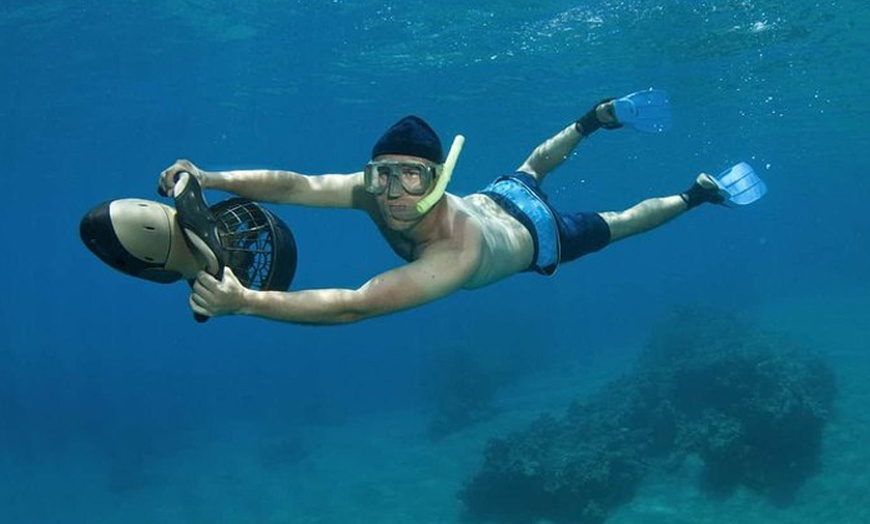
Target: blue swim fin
739,185
648,111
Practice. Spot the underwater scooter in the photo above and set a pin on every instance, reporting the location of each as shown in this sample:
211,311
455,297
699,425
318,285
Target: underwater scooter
156,242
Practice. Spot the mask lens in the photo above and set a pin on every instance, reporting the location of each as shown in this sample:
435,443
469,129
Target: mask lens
376,178
383,177
414,180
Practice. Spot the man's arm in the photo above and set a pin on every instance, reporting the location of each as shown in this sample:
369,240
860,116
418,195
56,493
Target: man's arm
285,187
425,280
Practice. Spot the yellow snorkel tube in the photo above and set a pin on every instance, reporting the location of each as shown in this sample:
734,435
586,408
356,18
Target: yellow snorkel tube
423,206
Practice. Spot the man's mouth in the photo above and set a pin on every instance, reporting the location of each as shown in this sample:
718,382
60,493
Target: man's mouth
403,212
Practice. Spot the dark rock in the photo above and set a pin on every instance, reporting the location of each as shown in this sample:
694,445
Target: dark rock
750,405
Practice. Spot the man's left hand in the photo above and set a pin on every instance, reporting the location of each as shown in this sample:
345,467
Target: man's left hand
215,298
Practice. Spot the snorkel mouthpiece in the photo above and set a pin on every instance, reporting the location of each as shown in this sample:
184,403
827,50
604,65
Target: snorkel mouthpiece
424,205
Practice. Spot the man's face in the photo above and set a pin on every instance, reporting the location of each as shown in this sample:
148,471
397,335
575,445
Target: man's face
405,185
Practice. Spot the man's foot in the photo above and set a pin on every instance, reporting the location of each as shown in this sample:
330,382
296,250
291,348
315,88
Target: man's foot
605,112
706,181
705,189
602,115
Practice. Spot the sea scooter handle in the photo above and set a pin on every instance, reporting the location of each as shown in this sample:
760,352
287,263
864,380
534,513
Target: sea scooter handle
199,226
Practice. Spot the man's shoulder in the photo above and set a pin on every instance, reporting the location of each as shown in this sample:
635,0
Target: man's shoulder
459,254
461,233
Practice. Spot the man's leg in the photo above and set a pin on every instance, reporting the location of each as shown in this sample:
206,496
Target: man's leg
549,155
647,215
654,212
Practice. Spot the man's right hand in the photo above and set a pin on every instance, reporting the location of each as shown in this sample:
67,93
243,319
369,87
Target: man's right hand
167,177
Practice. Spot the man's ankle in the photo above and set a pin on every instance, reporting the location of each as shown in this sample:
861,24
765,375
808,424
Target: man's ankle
601,115
703,190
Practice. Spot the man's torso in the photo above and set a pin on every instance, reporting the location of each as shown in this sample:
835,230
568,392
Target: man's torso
505,245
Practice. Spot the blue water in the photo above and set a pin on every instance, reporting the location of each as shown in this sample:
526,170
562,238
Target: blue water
116,407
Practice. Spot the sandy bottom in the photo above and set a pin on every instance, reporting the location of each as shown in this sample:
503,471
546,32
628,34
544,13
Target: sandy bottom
384,469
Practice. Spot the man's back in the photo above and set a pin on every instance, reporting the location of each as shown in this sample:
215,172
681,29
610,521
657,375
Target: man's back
507,246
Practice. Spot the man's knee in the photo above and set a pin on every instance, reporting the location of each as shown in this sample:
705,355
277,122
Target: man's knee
527,169
619,222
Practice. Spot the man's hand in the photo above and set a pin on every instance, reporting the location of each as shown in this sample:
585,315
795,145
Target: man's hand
167,177
215,298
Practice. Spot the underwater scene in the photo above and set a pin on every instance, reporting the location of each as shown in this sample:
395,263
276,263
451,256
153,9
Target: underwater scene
712,370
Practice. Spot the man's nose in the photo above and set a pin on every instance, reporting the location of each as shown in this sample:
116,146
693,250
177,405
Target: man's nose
395,190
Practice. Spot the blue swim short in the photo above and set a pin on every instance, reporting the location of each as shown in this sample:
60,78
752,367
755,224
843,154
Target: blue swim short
558,237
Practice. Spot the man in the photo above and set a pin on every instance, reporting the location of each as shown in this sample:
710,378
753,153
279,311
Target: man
459,243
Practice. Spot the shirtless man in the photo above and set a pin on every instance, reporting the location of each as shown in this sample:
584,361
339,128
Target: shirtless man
461,242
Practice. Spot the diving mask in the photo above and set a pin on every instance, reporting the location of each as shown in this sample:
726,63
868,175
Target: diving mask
414,177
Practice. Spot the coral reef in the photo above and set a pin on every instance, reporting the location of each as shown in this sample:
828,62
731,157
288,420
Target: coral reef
750,405
576,467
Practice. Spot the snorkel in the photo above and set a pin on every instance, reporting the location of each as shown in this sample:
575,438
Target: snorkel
424,205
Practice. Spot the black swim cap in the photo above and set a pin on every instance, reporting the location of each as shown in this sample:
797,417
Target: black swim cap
410,136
